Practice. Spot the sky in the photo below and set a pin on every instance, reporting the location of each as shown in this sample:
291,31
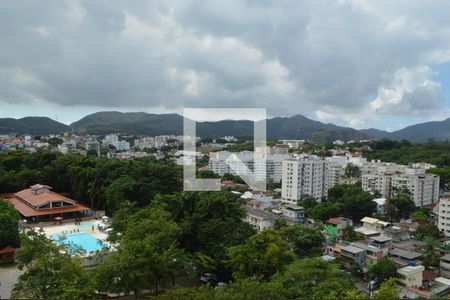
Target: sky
382,64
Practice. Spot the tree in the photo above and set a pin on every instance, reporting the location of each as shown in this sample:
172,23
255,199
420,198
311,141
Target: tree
307,202
404,204
304,241
384,269
427,230
325,210
431,260
9,225
313,278
242,289
351,235
265,254
419,216
352,173
148,255
55,141
121,190
387,291
210,223
356,203
50,272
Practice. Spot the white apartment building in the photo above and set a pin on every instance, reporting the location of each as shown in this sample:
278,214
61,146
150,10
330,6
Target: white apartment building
389,178
143,143
306,175
222,162
113,139
444,216
336,168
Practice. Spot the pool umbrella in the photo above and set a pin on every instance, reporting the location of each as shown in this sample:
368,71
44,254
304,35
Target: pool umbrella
58,219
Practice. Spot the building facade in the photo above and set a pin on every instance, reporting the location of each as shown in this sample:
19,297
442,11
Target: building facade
222,162
388,179
304,176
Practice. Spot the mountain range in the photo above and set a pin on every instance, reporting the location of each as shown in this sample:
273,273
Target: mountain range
295,127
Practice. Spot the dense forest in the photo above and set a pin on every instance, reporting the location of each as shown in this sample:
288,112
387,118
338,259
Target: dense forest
97,182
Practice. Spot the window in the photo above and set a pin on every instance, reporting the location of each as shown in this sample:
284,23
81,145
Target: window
56,204
44,206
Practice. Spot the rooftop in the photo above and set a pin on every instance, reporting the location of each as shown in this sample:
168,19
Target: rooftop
410,269
260,214
366,231
336,221
293,207
352,249
374,221
404,254
28,211
381,238
36,199
367,247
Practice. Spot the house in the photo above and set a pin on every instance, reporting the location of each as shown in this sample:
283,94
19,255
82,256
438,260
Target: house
335,227
7,255
258,200
40,203
350,255
411,276
260,219
294,213
374,224
367,232
397,233
381,242
373,254
445,266
403,257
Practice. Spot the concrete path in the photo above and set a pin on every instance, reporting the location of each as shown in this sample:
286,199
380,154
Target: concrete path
8,277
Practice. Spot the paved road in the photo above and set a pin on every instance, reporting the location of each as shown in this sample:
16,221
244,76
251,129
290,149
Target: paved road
8,277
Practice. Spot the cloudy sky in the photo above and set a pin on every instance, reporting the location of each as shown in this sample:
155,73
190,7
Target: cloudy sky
383,64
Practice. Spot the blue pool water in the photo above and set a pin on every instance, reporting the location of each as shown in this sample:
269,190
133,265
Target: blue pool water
86,225
85,240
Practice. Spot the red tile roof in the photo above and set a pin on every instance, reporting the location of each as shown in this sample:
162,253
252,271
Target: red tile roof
33,199
28,211
8,249
39,186
26,202
334,221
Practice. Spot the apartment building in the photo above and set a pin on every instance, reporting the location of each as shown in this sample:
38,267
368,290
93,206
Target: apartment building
388,179
242,163
444,216
304,176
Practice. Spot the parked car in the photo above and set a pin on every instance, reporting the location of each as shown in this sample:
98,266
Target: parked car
208,278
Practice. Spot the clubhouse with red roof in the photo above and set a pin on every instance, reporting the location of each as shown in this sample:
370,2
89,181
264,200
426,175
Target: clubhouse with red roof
39,203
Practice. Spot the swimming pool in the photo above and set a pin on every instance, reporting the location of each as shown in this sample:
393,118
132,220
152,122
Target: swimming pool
87,225
84,240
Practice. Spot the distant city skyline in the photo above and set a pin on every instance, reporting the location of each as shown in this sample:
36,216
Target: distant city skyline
65,60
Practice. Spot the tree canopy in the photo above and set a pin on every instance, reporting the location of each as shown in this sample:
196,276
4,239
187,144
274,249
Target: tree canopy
265,254
50,272
9,225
